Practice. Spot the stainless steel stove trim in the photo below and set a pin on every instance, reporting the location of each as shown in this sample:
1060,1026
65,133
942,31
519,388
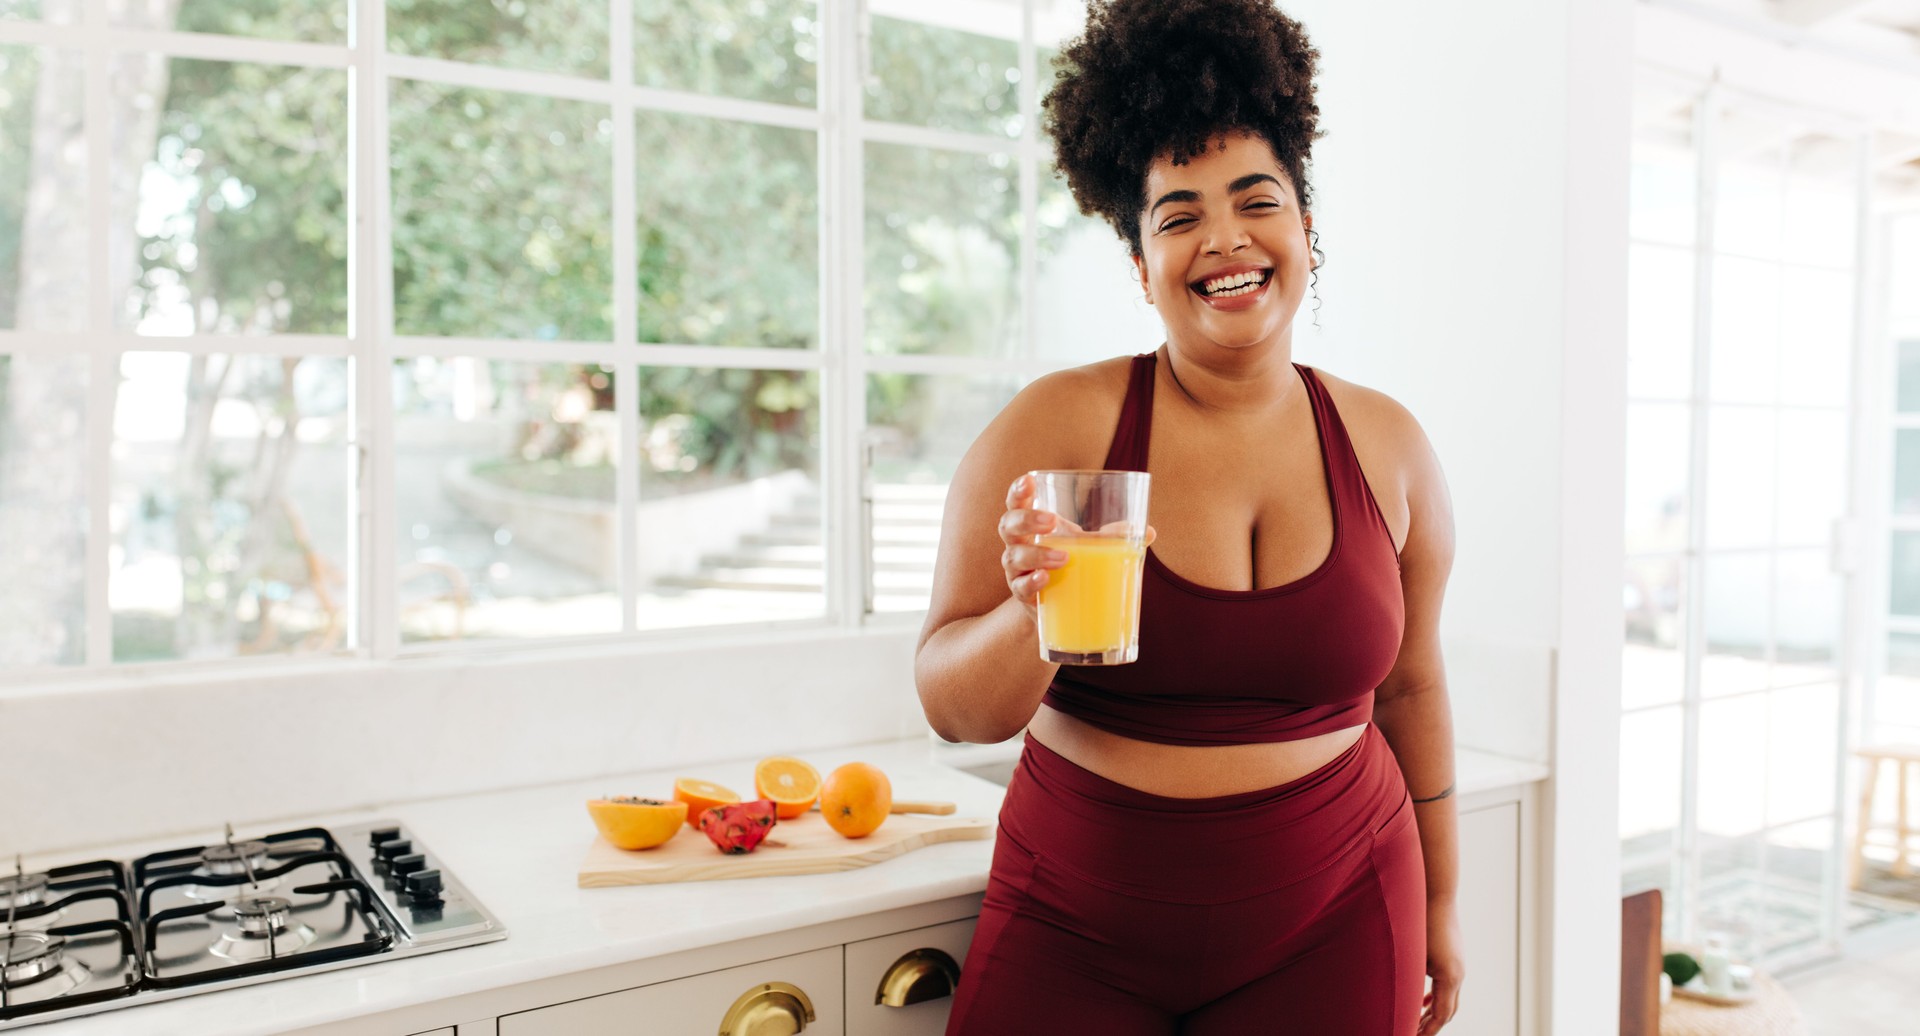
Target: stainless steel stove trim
483,927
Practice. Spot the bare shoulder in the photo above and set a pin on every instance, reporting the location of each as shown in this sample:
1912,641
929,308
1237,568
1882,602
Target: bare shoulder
1065,418
1383,430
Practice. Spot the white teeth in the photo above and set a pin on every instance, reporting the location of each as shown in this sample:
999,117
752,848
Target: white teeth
1236,284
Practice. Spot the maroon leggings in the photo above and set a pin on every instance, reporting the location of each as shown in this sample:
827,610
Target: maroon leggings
1298,909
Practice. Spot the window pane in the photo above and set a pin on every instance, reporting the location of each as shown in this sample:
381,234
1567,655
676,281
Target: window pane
762,50
1812,475
43,517
526,34
958,69
1733,765
1908,400
1746,330
1906,471
1740,476
1089,302
1663,178
730,527
1748,211
1816,336
729,243
942,244
1905,574
229,507
1803,729
1650,782
502,214
240,220
504,495
1896,703
43,202
1822,210
1653,666
1736,619
1658,463
1659,322
1731,898
1808,602
316,21
919,427
29,9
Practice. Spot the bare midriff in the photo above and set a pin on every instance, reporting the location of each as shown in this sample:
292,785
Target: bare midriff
1186,771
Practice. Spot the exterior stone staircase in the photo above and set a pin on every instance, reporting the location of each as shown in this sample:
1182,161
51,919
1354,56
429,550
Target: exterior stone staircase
789,556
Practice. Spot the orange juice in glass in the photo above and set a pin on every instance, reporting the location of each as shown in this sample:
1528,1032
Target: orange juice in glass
1090,606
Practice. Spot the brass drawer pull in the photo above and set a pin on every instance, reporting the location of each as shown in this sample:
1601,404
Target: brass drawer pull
768,1009
923,974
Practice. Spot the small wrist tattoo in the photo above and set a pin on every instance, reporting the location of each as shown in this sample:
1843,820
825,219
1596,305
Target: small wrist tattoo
1438,797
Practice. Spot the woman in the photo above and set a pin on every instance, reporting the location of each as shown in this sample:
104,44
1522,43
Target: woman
1249,829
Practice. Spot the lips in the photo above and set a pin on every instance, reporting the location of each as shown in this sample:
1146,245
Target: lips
1199,285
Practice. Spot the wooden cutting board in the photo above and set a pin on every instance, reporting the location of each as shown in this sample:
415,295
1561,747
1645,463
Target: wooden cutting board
809,847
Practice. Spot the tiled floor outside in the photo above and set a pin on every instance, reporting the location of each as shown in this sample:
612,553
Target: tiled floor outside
1874,990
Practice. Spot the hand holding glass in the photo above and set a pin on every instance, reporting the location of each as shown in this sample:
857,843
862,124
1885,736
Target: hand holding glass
1089,609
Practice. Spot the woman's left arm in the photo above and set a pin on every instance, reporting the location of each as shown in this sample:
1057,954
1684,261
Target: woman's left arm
1413,713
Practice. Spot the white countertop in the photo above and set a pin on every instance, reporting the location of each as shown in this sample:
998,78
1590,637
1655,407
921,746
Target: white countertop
518,852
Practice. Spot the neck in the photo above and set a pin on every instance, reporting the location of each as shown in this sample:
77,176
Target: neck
1232,380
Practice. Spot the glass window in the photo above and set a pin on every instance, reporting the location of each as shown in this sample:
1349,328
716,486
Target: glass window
1811,475
1908,399
1650,780
43,515
43,201
504,497
525,34
1663,180
1808,601
229,508
1740,476
730,523
1733,765
315,21
1906,471
918,427
942,252
1896,703
1653,665
729,240
1659,461
1905,574
761,50
502,214
1659,322
1737,624
1803,731
946,66
1746,330
30,9
1820,217
1816,336
1749,191
239,222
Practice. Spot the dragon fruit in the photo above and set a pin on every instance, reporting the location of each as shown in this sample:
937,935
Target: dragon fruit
738,827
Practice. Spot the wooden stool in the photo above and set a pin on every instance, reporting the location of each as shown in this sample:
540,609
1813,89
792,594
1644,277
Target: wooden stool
1902,756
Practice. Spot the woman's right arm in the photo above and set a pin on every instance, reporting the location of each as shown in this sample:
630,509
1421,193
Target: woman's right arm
978,666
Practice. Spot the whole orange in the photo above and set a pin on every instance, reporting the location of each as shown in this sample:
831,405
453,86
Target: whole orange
856,799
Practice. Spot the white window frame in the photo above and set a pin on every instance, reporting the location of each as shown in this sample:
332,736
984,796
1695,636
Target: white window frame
841,360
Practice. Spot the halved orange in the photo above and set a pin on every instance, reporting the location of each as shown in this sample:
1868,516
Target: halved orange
789,782
700,796
634,823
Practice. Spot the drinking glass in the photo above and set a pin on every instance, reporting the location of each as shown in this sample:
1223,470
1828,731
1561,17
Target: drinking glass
1090,606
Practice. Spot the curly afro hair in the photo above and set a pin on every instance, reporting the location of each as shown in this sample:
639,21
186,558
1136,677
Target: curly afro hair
1156,77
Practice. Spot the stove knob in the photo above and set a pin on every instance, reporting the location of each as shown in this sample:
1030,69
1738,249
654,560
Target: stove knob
401,866
424,884
382,834
393,847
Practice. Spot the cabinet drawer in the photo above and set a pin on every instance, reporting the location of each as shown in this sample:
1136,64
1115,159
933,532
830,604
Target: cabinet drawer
694,1006
917,951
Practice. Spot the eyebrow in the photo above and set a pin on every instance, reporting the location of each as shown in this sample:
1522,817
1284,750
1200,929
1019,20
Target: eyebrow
1235,187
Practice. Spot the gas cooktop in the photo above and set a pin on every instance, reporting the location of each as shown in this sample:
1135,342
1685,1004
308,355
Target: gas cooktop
110,934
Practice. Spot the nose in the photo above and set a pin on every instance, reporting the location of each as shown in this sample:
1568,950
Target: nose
1228,239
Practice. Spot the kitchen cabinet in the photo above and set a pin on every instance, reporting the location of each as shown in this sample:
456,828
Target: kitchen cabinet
915,971
801,993
1490,909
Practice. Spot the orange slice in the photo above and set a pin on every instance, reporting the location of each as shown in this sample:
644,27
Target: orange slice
632,823
700,796
789,782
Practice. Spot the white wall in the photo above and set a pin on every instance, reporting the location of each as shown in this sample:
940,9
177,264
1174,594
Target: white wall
138,759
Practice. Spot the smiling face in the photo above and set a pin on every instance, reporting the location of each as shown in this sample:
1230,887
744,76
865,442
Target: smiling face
1225,255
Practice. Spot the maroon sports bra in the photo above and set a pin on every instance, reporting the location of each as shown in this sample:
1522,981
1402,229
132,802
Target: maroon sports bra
1281,663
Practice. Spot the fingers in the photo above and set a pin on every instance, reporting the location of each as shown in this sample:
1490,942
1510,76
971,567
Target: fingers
1025,562
1440,1007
